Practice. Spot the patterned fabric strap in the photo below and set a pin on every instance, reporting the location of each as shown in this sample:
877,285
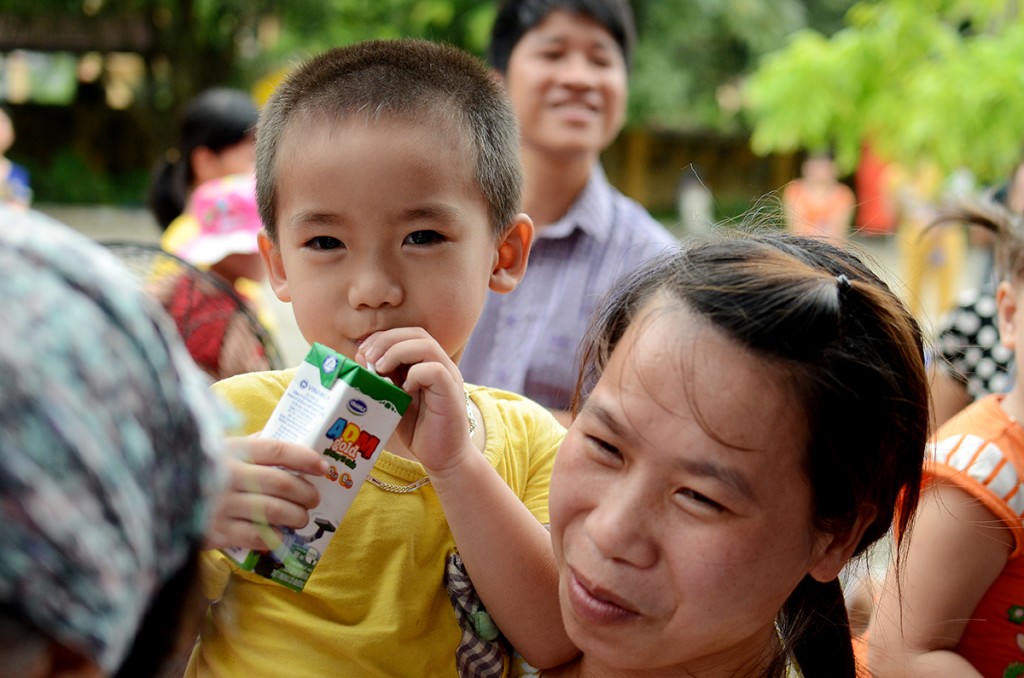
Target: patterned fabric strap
482,652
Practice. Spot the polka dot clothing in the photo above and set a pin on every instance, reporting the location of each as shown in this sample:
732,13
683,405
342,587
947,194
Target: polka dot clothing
968,343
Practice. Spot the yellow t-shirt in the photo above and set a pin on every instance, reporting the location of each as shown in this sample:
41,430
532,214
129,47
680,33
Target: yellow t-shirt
376,604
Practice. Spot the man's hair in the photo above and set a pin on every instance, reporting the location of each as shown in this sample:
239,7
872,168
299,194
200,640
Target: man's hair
409,80
516,18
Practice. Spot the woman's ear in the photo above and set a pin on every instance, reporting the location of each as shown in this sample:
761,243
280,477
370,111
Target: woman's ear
513,251
276,274
836,549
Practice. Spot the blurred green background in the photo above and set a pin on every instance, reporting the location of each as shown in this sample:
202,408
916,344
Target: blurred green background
737,88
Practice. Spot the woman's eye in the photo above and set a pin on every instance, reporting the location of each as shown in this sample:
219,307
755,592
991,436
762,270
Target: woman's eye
700,500
324,242
604,448
423,238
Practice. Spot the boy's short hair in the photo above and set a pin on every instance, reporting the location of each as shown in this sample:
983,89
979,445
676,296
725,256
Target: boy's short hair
410,80
516,18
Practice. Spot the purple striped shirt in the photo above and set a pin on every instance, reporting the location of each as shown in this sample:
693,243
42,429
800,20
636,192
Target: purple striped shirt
526,341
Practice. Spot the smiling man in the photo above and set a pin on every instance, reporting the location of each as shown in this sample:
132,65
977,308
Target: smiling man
565,66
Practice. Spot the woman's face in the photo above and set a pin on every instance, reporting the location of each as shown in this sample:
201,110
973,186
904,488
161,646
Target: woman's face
680,530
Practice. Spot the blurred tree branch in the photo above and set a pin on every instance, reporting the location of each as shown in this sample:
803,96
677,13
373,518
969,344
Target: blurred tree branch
920,80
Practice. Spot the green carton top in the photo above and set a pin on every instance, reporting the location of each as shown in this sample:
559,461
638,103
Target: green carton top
333,366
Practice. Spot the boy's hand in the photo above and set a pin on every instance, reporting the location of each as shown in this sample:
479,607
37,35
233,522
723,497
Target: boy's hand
435,428
263,489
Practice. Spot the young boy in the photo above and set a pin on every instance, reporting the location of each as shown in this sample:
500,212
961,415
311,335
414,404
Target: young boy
388,183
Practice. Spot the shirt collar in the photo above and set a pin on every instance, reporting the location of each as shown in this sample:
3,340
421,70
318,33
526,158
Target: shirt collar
591,213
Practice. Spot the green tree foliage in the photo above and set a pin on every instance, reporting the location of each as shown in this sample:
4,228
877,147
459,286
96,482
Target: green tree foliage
691,53
921,80
689,60
313,25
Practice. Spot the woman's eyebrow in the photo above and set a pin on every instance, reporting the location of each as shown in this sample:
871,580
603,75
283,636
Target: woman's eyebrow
604,416
707,468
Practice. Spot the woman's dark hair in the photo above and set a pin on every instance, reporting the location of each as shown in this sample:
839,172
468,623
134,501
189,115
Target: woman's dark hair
856,360
216,118
516,18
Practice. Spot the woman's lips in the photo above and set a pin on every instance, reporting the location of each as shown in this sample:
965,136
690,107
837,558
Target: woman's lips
596,605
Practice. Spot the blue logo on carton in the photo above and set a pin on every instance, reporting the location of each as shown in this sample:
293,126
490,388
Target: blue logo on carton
329,364
357,407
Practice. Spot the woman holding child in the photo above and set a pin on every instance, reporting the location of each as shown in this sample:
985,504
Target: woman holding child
715,480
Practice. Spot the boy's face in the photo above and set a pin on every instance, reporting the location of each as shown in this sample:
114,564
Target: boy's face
382,225
567,81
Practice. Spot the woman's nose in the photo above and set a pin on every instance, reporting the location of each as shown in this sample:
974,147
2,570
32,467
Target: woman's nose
623,526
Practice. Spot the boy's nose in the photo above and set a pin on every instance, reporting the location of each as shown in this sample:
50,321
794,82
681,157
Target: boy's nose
373,286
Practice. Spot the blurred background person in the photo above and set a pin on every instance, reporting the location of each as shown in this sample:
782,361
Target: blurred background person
216,138
565,65
930,258
110,462
15,186
818,204
220,223
969,361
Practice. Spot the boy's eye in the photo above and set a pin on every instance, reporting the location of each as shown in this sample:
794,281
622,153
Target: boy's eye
324,242
423,238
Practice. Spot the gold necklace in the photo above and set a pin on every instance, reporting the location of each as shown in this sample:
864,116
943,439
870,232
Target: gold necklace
425,480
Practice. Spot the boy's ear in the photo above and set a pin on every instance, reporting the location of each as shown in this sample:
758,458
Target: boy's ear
1006,304
276,275
835,549
513,250
498,77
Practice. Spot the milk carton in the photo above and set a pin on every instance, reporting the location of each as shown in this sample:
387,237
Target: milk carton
347,413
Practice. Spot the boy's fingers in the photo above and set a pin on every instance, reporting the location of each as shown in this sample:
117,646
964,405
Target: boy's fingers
248,508
436,378
245,535
272,452
274,483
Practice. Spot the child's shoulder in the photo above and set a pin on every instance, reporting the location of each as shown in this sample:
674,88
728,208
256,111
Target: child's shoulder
512,417
269,380
254,394
984,418
982,450
509,404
